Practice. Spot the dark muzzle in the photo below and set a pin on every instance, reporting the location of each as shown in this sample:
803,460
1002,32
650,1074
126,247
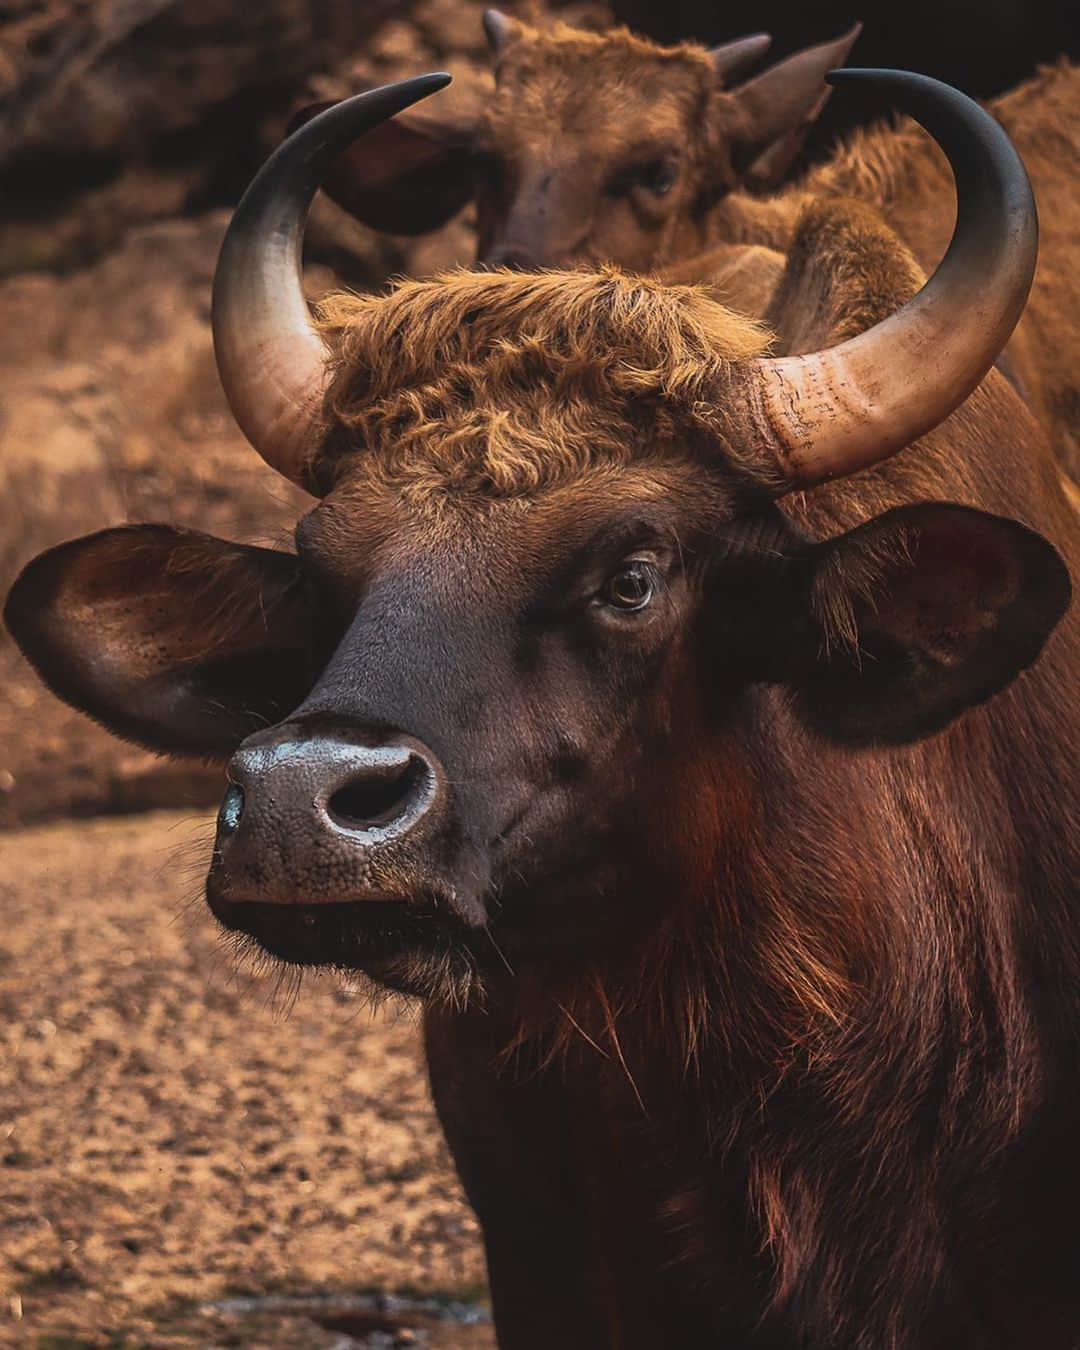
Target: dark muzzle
315,816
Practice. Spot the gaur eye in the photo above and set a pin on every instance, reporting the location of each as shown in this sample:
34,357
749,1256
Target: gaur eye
658,175
654,175
631,588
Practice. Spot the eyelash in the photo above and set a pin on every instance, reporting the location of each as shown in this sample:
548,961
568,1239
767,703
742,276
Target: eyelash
645,572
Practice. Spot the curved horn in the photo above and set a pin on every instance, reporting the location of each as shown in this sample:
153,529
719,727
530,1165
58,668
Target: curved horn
833,412
270,358
731,57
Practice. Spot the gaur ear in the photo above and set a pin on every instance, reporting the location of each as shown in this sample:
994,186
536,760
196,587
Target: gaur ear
408,175
778,108
171,638
919,614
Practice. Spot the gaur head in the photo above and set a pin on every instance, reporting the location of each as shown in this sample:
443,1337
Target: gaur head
591,147
497,695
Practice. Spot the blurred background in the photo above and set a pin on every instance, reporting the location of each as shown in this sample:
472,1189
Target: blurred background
184,1150
128,128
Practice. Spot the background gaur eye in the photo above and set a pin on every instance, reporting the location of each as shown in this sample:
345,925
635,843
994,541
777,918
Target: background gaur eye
631,588
654,175
658,176
488,170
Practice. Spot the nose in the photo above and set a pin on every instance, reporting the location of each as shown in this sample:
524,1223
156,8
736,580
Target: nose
323,799
369,794
513,256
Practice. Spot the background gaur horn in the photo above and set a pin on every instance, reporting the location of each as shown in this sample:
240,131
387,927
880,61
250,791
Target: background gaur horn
500,30
732,57
832,412
271,360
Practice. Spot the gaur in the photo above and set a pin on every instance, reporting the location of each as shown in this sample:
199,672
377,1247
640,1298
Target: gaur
685,711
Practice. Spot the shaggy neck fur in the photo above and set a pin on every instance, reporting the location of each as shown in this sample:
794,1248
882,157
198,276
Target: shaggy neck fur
768,1026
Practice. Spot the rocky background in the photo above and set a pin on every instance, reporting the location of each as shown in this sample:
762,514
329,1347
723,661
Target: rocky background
128,128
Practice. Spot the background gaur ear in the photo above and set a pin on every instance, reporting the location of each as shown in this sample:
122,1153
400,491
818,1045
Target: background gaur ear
171,638
919,614
778,107
732,58
407,176
773,165
501,31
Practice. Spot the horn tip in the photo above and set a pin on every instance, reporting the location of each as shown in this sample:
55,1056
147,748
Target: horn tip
498,29
433,81
882,75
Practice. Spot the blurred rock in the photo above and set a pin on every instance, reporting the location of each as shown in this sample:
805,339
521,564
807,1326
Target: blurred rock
110,410
111,77
118,112
127,127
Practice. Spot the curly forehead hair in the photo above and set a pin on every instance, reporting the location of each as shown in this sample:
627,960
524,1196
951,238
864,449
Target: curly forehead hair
502,382
547,62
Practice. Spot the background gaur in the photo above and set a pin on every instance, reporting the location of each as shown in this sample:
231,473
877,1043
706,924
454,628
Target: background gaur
982,46
834,1088
592,147
607,147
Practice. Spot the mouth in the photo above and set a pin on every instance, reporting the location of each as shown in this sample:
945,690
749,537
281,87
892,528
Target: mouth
360,935
431,944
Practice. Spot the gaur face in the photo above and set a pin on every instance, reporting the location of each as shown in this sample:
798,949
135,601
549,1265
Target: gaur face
464,778
568,174
591,147
554,197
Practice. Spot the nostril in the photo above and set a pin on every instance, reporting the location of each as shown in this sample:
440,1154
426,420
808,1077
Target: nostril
232,808
375,799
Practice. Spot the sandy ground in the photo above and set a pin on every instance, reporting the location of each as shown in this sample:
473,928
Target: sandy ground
175,1133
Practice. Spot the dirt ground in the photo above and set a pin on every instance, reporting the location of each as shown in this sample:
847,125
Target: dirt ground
181,1137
